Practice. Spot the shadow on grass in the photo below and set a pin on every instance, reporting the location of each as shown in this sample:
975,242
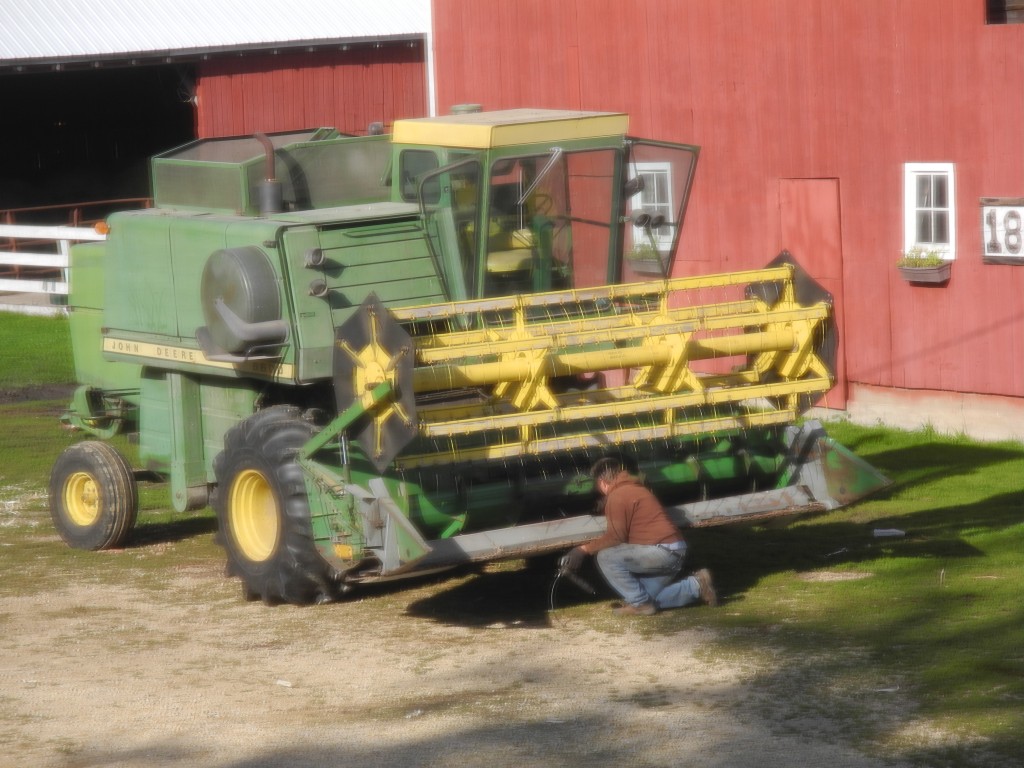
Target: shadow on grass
922,667
943,625
147,534
920,463
741,556
940,489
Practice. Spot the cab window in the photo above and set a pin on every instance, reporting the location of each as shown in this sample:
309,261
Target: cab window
412,164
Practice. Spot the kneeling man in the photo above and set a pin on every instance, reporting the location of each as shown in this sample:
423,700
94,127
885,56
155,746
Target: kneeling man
642,551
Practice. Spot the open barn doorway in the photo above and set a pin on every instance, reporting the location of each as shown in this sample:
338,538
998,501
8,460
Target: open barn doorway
80,135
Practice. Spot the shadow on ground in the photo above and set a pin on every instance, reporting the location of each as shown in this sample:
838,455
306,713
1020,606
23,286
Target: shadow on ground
513,598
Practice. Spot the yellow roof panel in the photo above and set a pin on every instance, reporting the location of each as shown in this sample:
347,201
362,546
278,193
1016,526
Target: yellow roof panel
509,127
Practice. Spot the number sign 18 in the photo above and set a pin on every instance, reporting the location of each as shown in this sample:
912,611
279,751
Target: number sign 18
1003,230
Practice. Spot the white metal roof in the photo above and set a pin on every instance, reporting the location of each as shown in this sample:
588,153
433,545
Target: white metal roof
54,31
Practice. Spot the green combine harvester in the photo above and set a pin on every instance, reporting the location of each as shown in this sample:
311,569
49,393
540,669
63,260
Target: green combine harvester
379,356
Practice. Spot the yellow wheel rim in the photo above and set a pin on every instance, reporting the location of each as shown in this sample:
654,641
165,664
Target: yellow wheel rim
82,499
253,515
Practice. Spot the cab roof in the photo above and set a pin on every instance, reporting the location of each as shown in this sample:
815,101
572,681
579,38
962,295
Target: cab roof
509,127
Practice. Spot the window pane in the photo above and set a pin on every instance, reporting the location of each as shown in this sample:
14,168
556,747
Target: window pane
924,191
941,227
649,194
941,187
656,200
412,164
662,179
924,227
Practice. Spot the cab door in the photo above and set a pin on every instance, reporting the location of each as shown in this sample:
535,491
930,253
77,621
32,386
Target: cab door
658,180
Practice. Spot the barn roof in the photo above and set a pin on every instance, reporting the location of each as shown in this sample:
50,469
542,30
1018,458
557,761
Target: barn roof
41,32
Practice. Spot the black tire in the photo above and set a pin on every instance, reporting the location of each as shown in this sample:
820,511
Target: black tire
263,510
93,496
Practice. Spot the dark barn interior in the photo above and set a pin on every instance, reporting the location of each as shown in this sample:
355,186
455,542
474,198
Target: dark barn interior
79,135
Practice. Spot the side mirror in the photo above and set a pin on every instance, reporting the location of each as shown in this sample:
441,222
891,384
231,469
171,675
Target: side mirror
634,186
641,219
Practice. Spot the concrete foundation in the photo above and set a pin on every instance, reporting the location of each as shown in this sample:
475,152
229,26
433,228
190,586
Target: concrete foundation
982,417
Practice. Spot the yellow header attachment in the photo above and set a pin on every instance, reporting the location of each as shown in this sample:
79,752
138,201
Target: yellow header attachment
510,127
598,367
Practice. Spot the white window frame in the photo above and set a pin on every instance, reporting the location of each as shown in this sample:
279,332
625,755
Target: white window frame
663,241
911,172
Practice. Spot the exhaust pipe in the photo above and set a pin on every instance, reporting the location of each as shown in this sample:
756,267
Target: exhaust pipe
271,192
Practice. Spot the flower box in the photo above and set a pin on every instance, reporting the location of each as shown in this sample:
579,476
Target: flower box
935,275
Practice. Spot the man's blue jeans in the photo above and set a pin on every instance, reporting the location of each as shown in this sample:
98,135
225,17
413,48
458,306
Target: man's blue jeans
644,573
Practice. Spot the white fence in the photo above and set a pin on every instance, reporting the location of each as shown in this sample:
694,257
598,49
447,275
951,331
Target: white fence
51,246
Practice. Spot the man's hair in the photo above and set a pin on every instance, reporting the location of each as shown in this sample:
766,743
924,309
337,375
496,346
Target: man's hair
607,469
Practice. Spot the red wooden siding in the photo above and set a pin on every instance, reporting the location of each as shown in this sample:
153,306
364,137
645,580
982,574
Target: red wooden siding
346,90
797,89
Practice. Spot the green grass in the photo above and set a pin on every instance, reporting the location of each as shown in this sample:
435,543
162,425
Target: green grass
33,559
36,350
33,437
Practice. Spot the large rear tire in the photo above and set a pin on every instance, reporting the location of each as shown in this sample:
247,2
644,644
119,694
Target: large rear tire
94,500
263,510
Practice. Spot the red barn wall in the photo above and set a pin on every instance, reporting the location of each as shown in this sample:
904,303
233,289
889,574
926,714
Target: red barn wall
346,90
782,90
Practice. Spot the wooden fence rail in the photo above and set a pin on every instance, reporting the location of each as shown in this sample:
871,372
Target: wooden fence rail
38,272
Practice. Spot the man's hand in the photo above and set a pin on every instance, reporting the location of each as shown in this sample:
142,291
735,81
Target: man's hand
573,559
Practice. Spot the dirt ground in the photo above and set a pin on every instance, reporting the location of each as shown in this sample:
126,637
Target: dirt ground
464,672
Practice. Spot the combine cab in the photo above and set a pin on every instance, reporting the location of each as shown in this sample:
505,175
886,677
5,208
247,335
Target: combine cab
379,356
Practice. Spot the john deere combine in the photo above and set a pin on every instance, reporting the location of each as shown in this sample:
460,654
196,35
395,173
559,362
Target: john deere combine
380,356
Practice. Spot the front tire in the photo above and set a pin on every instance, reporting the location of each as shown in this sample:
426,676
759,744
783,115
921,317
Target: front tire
94,500
263,510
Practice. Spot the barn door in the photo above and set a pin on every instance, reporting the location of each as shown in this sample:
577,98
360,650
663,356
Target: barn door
809,226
